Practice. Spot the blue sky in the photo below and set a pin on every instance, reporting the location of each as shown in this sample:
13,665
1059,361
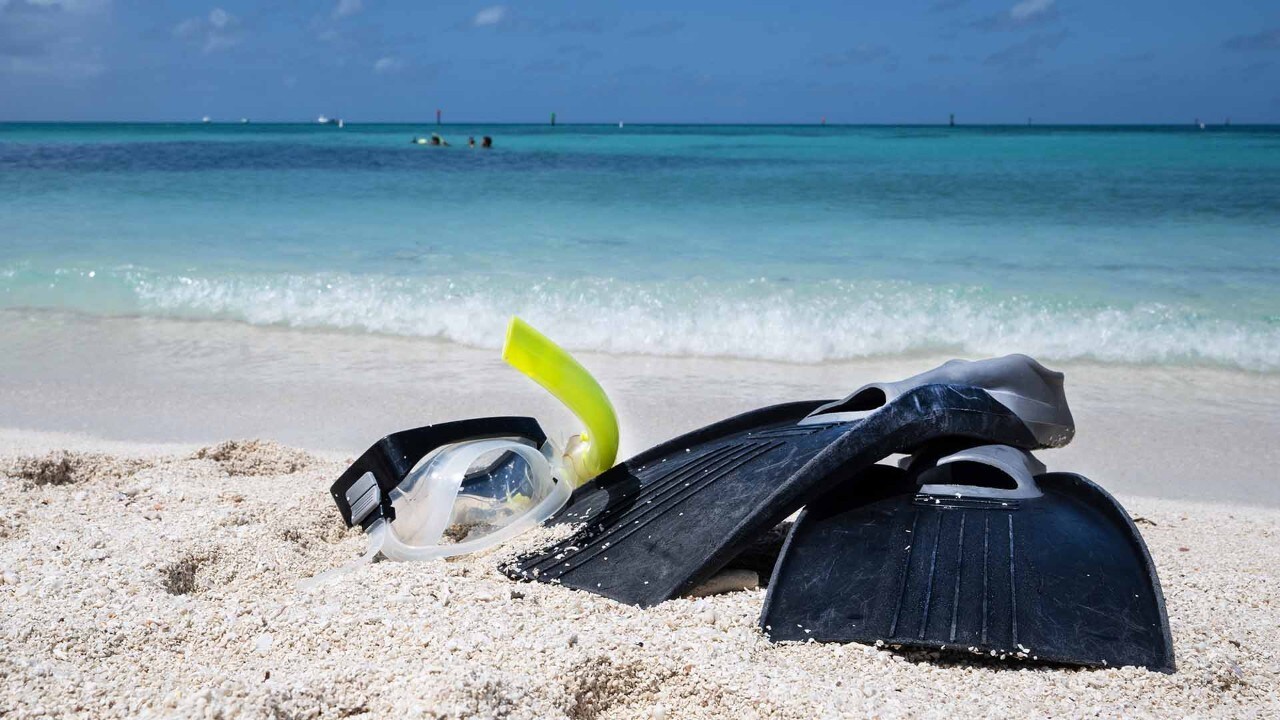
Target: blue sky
715,61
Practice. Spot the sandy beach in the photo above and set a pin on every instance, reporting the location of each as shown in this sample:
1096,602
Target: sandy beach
163,585
150,568
241,244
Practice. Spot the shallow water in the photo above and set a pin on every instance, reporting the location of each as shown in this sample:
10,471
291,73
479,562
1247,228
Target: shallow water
1120,244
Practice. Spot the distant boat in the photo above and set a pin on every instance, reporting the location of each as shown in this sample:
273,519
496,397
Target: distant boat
322,120
205,119
244,121
340,124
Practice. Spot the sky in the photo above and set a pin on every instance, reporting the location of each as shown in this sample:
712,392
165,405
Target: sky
1055,61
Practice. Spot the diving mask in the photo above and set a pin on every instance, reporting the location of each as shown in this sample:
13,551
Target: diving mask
458,487
452,488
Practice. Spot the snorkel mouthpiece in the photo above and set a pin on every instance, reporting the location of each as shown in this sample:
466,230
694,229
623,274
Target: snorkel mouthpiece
532,353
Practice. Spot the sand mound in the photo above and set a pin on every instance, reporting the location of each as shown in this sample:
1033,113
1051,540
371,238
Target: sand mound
63,467
252,458
179,598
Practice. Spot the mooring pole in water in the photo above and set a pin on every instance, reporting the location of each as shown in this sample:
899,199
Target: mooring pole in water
437,116
952,122
553,119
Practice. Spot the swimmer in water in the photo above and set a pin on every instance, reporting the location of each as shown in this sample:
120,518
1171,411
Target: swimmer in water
486,142
471,142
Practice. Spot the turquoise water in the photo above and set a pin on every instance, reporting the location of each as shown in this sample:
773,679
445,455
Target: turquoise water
1124,244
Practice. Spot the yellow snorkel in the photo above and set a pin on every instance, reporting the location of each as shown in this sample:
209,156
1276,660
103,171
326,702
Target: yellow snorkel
594,450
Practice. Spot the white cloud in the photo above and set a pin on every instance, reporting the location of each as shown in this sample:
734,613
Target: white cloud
1028,9
220,18
49,68
387,65
69,6
216,31
188,28
347,7
490,16
52,38
219,42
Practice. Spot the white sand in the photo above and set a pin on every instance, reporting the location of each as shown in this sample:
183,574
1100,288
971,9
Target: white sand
144,577
163,585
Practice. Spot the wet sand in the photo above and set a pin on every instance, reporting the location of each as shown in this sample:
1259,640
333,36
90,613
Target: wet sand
1194,433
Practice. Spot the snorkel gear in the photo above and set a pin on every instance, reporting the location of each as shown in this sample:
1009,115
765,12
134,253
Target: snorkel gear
593,450
458,487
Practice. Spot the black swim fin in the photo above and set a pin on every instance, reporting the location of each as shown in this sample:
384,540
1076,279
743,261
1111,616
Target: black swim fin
980,551
656,526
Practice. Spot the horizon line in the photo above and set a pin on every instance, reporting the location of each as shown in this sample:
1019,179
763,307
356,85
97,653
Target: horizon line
1192,123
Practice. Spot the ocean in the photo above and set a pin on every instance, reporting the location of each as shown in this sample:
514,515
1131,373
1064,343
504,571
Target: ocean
805,244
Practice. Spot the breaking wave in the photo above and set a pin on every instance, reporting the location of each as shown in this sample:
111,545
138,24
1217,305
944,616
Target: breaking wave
768,320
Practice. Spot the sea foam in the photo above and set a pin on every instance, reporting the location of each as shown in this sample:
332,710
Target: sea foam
753,319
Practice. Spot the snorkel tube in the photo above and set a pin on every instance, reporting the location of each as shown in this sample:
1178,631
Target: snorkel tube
492,477
532,353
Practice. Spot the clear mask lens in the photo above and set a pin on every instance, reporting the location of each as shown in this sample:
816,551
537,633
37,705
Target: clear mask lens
471,495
